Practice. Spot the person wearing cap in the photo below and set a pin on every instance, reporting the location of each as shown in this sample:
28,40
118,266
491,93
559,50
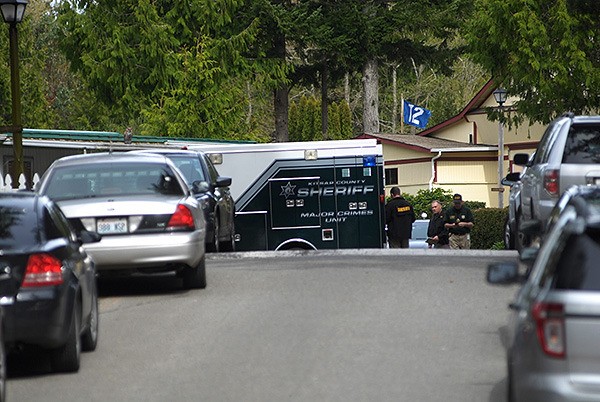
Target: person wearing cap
458,220
399,217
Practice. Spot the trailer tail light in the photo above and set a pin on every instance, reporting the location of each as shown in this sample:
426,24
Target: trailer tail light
42,270
382,198
550,325
181,219
551,182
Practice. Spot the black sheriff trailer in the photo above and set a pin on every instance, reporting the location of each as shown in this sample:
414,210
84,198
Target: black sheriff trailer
305,195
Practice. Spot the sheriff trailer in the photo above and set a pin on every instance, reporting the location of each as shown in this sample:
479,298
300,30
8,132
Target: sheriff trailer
305,195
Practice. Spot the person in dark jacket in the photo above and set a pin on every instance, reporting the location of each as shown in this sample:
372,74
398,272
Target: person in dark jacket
458,220
437,234
399,217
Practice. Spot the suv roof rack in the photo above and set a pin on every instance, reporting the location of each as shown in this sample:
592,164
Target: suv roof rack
568,114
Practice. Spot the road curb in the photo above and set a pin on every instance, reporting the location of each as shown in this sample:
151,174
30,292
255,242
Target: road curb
363,252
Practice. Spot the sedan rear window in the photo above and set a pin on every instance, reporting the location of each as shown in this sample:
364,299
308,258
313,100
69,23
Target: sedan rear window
112,180
18,227
583,144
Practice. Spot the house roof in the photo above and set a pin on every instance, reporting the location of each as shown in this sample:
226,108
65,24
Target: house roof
475,103
428,144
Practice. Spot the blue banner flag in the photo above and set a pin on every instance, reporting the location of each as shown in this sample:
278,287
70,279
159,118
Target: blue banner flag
416,115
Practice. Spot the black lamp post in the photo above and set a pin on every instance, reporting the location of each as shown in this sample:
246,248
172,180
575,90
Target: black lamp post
12,13
500,96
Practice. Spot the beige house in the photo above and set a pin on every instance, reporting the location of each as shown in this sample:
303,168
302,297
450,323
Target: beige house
460,154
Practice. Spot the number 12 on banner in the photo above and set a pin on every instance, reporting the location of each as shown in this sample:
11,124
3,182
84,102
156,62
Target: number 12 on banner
416,115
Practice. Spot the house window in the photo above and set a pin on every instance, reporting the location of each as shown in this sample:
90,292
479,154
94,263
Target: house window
391,176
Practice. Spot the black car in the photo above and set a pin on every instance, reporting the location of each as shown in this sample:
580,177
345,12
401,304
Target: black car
211,190
56,306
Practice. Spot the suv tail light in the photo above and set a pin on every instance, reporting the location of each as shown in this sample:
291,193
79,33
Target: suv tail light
42,270
550,324
181,219
551,182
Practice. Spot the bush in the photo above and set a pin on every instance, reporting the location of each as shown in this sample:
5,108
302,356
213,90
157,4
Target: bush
488,230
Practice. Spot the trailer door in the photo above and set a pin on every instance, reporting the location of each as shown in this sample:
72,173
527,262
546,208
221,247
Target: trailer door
358,203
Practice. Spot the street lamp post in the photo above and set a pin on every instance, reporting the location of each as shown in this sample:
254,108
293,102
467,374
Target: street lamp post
500,96
12,13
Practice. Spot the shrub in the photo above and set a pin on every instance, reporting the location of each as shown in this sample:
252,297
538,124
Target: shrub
488,230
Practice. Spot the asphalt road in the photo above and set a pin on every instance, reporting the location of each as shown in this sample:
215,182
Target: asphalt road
391,325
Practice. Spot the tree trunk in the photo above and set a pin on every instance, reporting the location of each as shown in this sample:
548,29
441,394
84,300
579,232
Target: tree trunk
280,97
347,88
324,119
371,97
395,93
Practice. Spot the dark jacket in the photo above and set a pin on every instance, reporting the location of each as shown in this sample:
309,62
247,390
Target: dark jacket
399,216
454,215
436,228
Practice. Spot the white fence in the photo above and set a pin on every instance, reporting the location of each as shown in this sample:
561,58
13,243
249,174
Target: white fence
6,184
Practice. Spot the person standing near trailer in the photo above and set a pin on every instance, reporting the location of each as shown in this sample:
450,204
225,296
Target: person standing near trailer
399,217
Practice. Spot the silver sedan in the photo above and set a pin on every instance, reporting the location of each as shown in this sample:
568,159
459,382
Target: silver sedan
142,207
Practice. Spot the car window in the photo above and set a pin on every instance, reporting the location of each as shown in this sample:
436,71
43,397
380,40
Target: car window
57,225
211,169
190,167
548,140
578,268
420,230
18,227
583,144
92,180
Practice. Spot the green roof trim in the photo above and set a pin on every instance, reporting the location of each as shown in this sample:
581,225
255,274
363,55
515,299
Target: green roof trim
112,136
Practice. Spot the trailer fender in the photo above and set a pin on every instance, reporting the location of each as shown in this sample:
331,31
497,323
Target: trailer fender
298,243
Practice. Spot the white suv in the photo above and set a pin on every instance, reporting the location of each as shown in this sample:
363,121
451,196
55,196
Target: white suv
568,154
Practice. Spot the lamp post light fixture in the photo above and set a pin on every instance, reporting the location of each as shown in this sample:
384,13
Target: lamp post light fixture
12,13
500,96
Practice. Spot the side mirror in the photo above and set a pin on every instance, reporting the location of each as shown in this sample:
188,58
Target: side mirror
86,237
511,179
521,159
200,187
503,273
223,181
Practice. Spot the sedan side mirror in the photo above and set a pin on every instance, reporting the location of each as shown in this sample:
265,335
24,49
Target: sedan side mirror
223,181
521,159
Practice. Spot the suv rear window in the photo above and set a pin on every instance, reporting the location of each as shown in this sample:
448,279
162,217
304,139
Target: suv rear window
578,267
583,144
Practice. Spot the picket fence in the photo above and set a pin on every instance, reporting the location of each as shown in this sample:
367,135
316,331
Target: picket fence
6,184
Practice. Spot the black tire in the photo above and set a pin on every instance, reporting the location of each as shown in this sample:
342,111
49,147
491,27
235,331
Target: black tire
510,389
89,338
214,246
67,358
509,237
229,245
2,368
195,278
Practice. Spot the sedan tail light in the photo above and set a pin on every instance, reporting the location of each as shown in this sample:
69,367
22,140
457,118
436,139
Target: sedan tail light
181,219
42,270
550,323
551,182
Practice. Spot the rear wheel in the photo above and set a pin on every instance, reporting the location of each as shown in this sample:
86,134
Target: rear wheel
195,278
509,238
67,357
215,245
229,245
89,339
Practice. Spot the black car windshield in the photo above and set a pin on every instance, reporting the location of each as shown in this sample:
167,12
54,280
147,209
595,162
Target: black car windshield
114,179
189,166
18,227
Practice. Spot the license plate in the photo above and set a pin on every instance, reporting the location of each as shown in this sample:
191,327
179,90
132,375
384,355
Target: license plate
111,226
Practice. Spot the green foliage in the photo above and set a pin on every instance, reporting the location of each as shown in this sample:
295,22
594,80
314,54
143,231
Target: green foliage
421,202
488,230
543,52
305,120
